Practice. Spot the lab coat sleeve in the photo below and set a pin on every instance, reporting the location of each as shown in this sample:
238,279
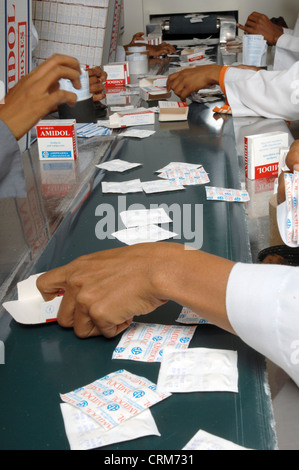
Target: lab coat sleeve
9,146
270,94
286,52
262,304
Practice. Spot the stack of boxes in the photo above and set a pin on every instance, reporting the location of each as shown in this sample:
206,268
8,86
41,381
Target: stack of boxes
71,27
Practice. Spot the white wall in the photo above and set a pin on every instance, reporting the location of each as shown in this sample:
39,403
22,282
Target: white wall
137,12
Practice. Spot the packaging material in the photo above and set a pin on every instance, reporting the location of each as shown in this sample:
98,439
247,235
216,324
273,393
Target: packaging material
189,317
115,398
185,176
262,154
72,28
254,50
15,51
57,140
30,308
198,370
137,56
162,186
118,74
154,93
84,433
136,218
206,441
117,165
173,111
146,342
226,194
122,187
288,211
132,118
83,93
154,81
137,133
143,234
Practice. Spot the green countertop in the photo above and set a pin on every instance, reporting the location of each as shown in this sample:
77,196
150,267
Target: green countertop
43,361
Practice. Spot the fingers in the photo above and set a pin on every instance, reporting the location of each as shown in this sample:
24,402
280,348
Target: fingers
58,66
52,283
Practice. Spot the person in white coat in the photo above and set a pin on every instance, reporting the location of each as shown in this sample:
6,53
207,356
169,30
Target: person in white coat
285,40
270,94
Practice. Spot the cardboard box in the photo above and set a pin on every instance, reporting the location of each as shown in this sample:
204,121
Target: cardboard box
134,118
15,51
262,154
173,111
151,93
118,74
57,139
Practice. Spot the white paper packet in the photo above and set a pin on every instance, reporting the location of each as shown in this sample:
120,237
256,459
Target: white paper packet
84,433
146,341
206,441
135,218
117,165
115,398
143,234
179,165
157,186
137,133
198,370
30,308
124,187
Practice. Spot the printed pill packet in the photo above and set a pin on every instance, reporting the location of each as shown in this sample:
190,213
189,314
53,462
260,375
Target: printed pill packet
226,194
146,341
190,318
198,370
185,177
206,441
288,211
179,165
115,398
91,130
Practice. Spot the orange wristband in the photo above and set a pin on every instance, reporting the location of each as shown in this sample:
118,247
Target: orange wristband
221,77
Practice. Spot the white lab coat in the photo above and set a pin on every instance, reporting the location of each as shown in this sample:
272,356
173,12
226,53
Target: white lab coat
287,49
270,94
262,304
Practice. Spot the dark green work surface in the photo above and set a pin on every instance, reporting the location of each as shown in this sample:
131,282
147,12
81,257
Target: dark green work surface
43,361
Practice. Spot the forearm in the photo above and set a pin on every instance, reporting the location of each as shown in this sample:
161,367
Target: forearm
196,280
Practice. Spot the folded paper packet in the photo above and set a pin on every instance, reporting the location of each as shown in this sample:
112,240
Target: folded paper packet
30,308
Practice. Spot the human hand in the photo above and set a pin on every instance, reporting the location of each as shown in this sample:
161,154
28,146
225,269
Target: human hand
163,48
104,291
257,23
137,37
292,162
191,80
38,93
97,78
